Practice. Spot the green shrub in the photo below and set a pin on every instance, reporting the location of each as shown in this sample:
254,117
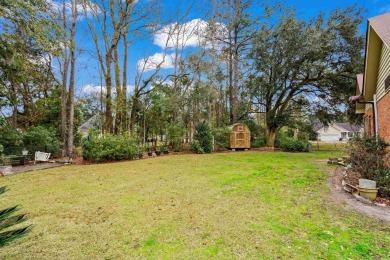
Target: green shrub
195,146
110,148
258,142
12,140
204,137
256,130
368,158
40,136
293,145
175,133
221,136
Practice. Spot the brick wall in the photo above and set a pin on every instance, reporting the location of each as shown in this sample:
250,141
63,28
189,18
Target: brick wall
368,122
384,117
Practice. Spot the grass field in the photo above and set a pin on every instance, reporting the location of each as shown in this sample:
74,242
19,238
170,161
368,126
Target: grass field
239,205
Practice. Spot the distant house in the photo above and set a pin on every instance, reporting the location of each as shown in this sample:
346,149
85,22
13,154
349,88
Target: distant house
95,122
372,93
338,132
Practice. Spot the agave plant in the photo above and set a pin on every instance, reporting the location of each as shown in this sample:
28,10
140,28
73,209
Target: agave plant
6,221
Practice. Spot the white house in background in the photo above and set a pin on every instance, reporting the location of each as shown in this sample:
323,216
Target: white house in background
338,132
94,122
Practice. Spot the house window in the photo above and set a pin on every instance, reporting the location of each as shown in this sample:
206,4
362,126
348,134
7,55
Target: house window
350,134
387,83
343,134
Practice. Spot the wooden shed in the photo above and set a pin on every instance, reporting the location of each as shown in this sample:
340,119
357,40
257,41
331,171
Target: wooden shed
239,137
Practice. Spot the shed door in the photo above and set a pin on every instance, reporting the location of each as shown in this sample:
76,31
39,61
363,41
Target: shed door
240,140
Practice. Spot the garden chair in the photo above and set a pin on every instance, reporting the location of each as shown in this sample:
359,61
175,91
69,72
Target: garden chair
41,156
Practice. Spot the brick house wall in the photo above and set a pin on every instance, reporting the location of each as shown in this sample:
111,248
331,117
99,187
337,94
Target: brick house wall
368,122
384,117
383,106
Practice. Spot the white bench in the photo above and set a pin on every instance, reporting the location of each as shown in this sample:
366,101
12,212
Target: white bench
41,156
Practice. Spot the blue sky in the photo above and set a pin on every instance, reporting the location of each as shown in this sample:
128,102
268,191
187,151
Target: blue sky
87,67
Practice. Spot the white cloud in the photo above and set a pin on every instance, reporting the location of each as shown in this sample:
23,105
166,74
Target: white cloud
191,34
57,7
94,89
158,60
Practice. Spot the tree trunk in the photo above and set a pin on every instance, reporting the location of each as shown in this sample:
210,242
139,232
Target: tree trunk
231,84
134,111
72,76
124,85
108,124
118,99
64,89
270,135
63,109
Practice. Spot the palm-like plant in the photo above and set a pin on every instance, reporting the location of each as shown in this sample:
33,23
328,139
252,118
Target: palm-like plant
6,221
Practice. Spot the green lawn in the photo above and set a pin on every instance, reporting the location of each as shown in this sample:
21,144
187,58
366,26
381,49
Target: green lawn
222,206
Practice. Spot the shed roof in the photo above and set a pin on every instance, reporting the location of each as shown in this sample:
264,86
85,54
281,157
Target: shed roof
237,124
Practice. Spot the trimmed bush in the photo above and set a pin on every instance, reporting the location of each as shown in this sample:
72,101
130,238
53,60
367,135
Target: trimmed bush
258,142
195,146
204,137
221,136
110,148
368,158
293,145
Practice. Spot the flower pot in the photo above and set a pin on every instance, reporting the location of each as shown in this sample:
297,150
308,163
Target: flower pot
369,194
166,152
150,154
158,153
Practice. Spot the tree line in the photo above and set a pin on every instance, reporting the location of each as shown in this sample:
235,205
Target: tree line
273,68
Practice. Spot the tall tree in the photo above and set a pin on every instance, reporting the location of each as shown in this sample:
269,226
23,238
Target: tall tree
316,60
74,8
64,68
112,21
27,40
236,39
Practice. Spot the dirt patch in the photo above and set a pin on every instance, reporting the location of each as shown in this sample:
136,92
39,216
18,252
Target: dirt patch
340,195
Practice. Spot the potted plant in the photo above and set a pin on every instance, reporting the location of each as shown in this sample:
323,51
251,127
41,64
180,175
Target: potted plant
158,151
150,153
164,149
367,189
